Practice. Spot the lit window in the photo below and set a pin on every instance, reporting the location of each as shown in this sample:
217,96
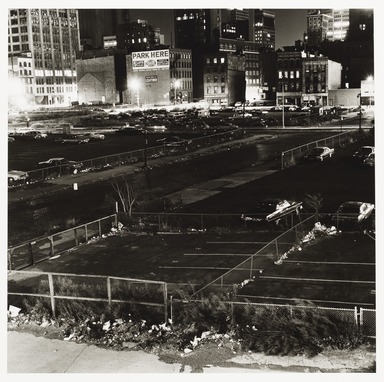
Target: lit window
215,60
222,60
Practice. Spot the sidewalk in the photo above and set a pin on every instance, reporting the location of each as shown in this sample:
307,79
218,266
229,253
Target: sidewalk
30,354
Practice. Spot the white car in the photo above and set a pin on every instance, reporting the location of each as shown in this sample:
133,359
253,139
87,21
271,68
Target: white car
319,153
17,176
94,136
354,211
369,160
273,209
363,152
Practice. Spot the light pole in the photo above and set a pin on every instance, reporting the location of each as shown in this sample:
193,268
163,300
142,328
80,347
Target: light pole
359,95
283,101
176,86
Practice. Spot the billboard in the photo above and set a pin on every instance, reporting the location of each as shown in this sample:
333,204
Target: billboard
150,60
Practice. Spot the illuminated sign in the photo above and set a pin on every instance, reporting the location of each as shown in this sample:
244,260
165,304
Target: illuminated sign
151,60
151,78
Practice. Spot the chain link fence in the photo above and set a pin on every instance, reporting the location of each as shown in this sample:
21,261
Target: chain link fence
195,222
40,249
264,315
61,293
255,263
292,156
136,156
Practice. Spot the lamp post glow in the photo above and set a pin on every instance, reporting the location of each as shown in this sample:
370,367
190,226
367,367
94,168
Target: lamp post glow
176,86
135,86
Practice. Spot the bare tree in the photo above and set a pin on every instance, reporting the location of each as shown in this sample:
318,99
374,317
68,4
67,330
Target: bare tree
127,194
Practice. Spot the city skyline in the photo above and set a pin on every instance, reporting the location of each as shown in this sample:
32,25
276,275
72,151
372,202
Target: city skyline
287,32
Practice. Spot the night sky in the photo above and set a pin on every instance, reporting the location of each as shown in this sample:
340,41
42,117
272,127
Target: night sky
290,23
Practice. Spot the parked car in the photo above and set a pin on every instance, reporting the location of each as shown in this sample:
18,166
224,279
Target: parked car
353,211
27,134
11,139
273,209
94,136
369,160
73,139
319,153
15,176
68,164
173,140
363,152
130,130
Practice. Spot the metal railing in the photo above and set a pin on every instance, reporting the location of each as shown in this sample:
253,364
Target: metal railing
136,156
255,263
36,250
290,157
202,222
56,288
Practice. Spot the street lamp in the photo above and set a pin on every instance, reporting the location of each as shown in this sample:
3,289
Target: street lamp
176,86
283,101
359,96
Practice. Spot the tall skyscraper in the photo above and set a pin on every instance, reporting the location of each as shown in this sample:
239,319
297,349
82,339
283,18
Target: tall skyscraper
264,33
95,24
338,24
42,45
317,26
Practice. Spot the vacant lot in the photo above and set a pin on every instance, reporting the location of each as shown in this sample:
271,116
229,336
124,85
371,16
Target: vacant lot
333,271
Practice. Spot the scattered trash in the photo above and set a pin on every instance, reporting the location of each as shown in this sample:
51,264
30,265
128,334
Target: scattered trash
13,311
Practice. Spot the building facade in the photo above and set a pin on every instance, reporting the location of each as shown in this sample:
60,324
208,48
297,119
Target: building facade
317,26
264,28
159,77
305,79
137,35
50,39
224,79
96,80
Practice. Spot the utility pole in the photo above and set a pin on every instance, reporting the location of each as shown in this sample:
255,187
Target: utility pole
360,130
283,101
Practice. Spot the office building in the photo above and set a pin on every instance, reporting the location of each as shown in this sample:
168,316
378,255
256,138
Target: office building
49,38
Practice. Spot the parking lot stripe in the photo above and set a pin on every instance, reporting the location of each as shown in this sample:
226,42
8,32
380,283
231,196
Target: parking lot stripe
326,262
219,254
244,242
325,280
206,268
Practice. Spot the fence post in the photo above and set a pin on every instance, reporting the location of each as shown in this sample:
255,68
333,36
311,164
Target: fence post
9,260
250,273
52,294
76,239
361,317
171,308
99,227
282,160
165,293
51,245
86,232
109,293
277,248
202,222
